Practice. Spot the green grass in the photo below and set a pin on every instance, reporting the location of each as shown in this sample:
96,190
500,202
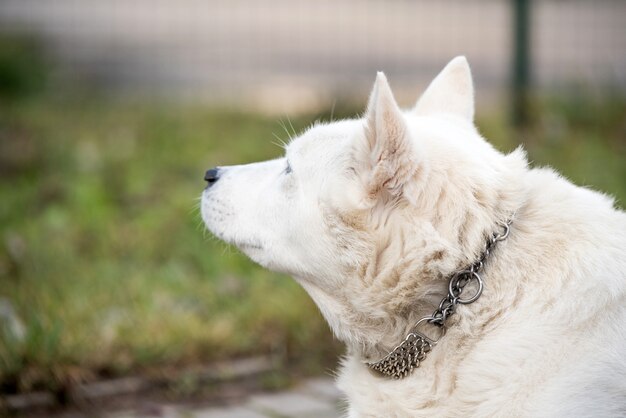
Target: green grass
583,136
104,258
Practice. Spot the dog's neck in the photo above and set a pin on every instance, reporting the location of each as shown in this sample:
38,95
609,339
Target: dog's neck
404,274
407,356
416,291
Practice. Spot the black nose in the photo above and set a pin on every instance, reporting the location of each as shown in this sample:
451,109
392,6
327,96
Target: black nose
211,176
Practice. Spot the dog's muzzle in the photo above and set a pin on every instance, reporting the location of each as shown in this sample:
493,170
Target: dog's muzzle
212,176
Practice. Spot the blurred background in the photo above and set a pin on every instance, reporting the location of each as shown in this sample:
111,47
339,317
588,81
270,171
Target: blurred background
111,111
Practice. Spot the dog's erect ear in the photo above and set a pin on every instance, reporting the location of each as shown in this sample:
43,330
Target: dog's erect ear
390,154
450,92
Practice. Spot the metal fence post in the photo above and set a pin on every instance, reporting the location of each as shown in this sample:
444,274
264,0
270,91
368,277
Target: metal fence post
521,62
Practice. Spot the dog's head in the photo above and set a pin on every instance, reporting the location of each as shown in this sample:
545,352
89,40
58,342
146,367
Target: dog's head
370,214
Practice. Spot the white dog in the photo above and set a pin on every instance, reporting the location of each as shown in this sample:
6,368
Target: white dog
385,220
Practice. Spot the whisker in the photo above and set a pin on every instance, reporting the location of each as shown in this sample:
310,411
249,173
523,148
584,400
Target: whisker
201,227
281,143
282,124
195,208
290,124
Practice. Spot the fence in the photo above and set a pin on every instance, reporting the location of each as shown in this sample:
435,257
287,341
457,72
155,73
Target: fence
297,51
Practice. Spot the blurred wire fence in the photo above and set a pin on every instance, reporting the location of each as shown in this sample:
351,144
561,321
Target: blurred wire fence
292,53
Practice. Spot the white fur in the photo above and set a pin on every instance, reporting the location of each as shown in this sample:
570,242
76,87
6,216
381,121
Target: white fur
378,212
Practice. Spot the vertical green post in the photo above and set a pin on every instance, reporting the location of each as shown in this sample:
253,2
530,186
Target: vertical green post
521,62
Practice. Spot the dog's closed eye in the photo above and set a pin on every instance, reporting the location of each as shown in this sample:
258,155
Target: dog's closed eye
287,168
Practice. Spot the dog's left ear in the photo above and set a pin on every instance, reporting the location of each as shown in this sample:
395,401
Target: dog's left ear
452,92
390,156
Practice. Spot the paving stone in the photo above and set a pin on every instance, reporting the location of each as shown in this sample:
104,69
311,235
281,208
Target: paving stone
334,413
323,387
111,387
29,400
314,398
229,412
123,414
293,404
167,412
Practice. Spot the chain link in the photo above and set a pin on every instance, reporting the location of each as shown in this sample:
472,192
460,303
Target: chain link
404,358
457,283
407,356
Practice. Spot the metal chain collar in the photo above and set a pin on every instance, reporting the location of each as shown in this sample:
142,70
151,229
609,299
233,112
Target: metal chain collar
407,356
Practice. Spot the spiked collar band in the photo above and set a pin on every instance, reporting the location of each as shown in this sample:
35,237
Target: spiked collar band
401,361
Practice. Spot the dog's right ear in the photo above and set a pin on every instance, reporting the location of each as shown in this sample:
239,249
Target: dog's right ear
452,92
387,157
